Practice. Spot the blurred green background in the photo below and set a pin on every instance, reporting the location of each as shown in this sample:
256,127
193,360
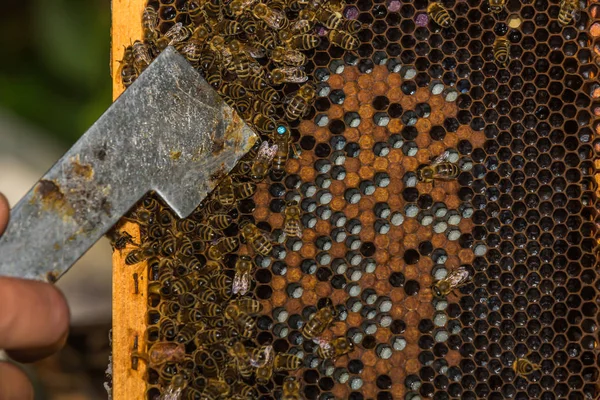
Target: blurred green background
55,78
55,70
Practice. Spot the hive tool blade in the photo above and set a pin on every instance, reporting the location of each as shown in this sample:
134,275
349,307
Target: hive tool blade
169,132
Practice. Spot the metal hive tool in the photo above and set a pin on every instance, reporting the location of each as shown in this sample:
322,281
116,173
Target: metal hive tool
519,216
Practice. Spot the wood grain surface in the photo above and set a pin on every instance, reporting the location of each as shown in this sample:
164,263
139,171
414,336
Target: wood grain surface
129,297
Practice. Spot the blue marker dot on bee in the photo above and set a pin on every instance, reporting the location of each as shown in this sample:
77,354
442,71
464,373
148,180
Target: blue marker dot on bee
281,129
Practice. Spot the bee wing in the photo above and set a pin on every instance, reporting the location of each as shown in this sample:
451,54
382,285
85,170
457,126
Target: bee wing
458,276
267,152
241,283
323,343
441,158
254,51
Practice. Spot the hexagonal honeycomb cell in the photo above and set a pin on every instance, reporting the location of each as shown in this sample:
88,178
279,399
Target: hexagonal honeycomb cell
417,221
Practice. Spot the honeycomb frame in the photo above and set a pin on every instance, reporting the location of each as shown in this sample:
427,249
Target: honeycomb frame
522,208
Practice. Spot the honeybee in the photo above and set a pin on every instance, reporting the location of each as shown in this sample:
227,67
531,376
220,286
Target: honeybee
330,19
228,191
294,58
208,337
256,83
186,334
241,280
141,254
245,392
343,39
304,23
215,389
210,309
237,7
220,221
291,223
305,41
262,163
263,123
196,11
256,238
455,279
192,49
290,389
243,66
300,102
233,90
333,349
318,322
161,353
120,239
248,305
288,75
223,51
167,328
189,315
242,320
501,50
261,107
265,39
141,56
268,94
439,14
169,308
150,23
176,34
286,362
242,356
213,11
567,11
275,19
438,169
249,25
353,26
223,246
262,356
175,389
264,373
221,282
497,5
282,138
127,70
522,366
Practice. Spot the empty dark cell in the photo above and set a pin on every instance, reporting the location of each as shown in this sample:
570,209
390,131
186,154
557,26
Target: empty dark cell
167,13
384,396
369,342
246,206
437,133
381,102
398,326
311,391
337,127
322,150
395,110
412,287
397,279
411,256
384,382
367,249
355,366
264,292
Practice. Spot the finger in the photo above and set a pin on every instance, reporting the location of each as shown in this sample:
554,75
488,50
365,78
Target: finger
14,384
4,210
34,315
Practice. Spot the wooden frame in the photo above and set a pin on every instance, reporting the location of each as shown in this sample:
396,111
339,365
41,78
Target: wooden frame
129,300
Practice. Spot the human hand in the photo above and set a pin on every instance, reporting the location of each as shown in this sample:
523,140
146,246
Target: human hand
34,323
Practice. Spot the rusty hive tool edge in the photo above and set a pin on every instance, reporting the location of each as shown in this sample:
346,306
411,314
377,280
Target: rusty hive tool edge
170,132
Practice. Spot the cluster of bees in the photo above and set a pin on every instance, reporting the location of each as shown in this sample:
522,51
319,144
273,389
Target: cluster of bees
247,50
568,10
204,347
